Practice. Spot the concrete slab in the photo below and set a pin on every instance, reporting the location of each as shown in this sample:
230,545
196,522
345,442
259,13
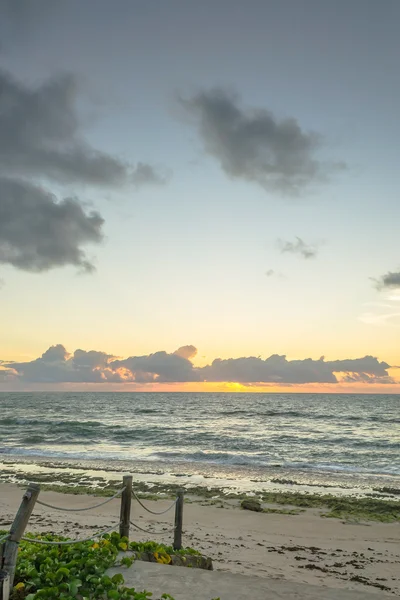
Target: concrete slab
196,584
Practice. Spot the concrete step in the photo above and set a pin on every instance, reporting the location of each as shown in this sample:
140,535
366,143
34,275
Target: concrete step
183,583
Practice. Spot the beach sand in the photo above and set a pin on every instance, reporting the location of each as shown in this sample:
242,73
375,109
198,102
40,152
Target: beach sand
303,548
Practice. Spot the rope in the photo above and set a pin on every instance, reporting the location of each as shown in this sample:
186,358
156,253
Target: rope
152,532
3,539
89,539
81,509
153,512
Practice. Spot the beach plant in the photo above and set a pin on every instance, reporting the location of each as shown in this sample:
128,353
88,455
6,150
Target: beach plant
78,571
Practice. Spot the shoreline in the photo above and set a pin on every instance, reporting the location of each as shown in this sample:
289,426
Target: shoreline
159,477
350,504
297,546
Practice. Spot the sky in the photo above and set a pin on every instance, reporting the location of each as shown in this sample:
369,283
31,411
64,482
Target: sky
199,196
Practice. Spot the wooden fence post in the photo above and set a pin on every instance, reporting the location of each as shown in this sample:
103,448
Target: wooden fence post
126,499
10,549
4,585
178,522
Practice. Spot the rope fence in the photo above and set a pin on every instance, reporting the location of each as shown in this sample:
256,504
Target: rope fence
82,509
9,543
153,512
152,532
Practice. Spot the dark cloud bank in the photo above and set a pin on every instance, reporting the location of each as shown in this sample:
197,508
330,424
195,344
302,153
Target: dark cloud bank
56,365
41,139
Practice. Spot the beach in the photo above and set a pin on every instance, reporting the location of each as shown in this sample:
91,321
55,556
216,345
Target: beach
297,548
325,469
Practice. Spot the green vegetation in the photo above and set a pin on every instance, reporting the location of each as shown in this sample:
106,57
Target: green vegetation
370,508
362,509
78,570
284,511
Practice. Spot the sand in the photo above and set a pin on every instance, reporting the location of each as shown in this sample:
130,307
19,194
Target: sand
297,549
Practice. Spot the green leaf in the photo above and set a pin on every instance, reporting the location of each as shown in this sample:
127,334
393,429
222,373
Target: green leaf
117,578
74,586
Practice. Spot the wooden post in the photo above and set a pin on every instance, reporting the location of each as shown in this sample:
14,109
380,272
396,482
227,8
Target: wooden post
4,585
10,550
178,522
126,499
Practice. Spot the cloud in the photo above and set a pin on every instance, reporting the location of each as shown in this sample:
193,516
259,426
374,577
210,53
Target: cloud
41,138
56,365
277,369
187,352
254,145
384,313
390,280
38,232
41,135
298,247
145,174
159,367
273,273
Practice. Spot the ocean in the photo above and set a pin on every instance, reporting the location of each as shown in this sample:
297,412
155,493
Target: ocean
305,439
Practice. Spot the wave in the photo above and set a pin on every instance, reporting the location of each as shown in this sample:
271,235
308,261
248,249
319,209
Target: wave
308,416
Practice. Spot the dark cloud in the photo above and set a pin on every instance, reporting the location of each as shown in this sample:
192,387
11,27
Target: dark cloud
277,369
255,145
159,367
91,360
41,135
41,138
56,365
389,280
298,247
38,233
55,354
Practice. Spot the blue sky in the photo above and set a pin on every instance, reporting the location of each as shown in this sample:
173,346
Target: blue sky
186,262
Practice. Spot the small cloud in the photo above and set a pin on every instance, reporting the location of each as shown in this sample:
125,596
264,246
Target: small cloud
145,174
273,273
390,280
187,352
385,313
298,247
370,318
